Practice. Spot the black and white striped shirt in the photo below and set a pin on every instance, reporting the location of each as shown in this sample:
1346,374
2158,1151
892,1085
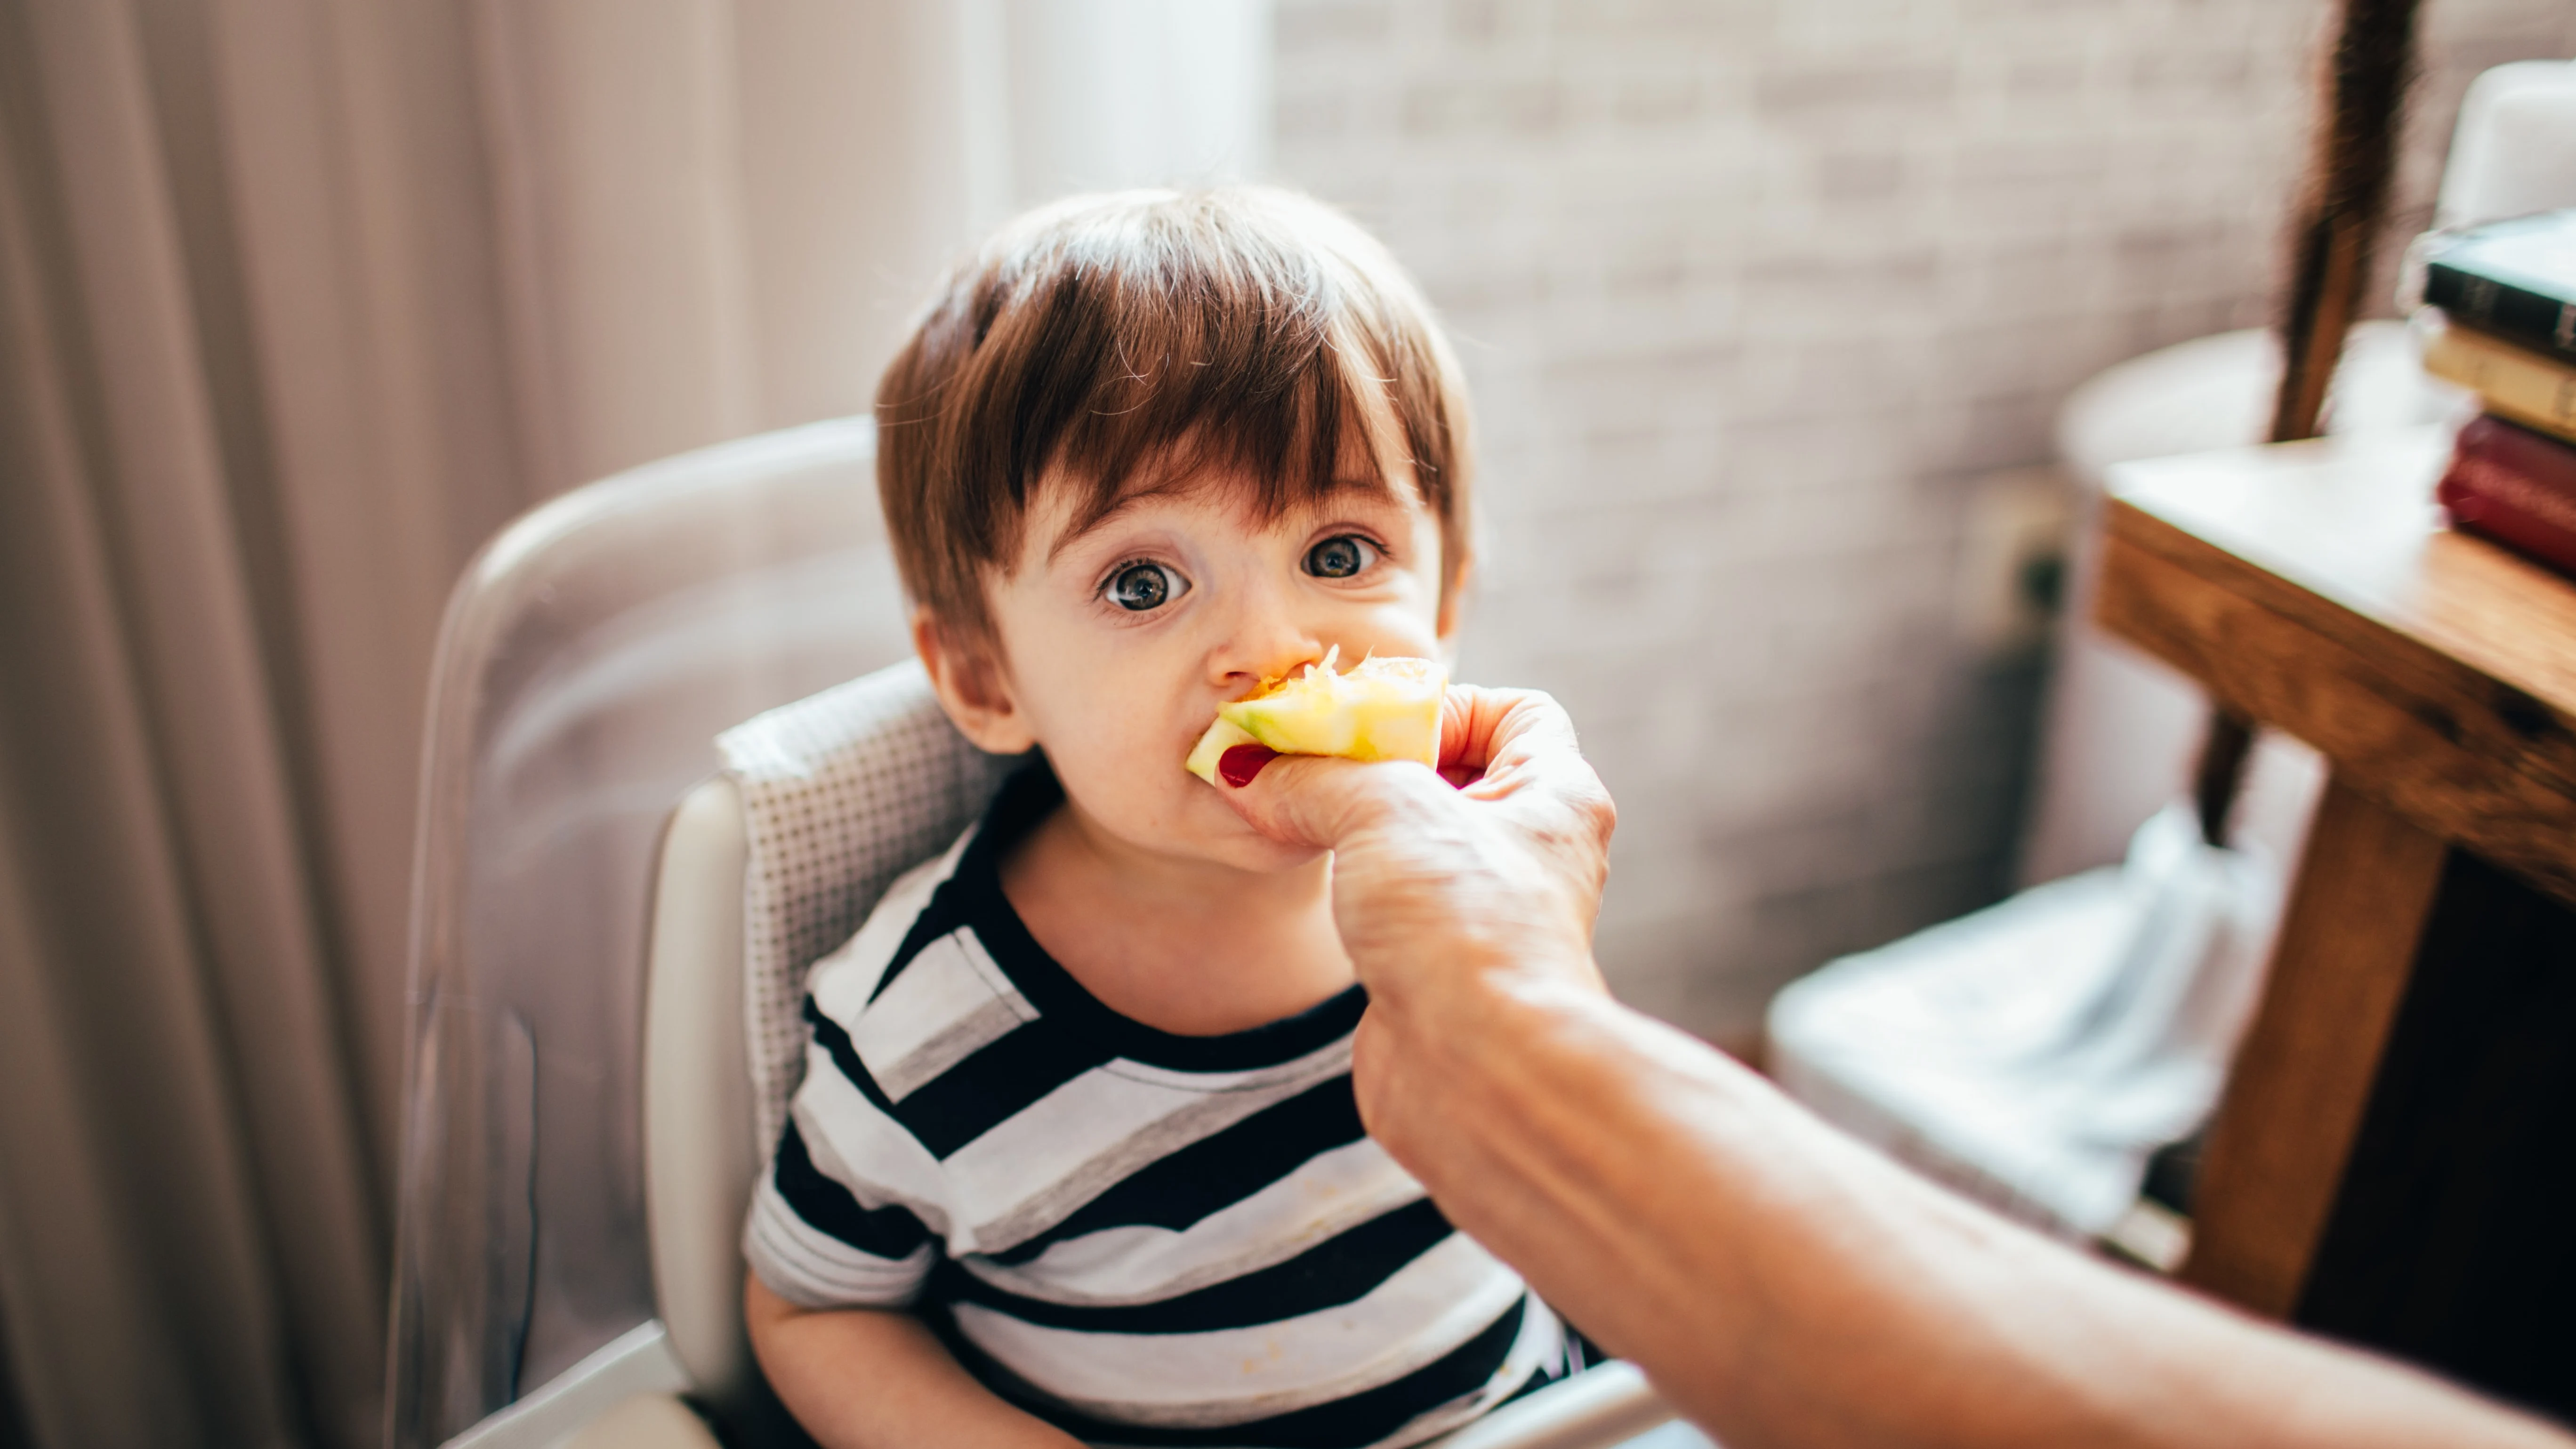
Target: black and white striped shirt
1147,1239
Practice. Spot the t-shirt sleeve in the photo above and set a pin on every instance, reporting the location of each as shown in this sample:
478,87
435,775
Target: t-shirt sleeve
843,1216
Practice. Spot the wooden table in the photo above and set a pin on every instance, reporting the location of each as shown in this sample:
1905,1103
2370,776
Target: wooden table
2395,1158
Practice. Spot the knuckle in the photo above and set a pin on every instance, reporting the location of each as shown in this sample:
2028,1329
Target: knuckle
1600,812
1540,698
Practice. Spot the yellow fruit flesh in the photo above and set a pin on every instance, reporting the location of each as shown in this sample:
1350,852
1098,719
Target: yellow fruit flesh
1384,709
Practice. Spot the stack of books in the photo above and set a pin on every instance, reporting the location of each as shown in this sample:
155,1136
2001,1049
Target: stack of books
2500,320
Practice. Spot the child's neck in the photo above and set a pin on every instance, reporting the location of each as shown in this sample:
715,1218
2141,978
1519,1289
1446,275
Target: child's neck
1185,946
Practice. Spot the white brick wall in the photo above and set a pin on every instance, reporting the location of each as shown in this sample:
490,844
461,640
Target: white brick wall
1750,290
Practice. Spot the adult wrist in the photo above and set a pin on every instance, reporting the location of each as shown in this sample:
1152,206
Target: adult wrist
1466,1027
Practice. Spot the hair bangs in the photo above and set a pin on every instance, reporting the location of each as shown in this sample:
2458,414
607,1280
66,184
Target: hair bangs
1275,442
1132,345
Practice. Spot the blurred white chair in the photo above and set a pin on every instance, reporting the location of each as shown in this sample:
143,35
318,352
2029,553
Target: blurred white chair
2513,149
2037,1053
604,1040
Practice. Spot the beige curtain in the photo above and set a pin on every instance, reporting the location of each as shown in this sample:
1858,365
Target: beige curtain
299,300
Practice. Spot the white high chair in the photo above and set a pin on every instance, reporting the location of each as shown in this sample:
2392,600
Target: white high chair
597,1064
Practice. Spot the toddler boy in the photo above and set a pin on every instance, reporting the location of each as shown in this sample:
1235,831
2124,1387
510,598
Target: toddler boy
1076,1152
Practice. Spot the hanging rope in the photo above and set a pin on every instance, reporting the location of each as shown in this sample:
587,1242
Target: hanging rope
2342,208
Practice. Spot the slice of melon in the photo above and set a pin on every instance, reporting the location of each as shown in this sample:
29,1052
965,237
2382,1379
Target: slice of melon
1383,709
1220,737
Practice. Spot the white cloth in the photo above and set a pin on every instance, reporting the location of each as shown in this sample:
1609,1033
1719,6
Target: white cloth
2035,1054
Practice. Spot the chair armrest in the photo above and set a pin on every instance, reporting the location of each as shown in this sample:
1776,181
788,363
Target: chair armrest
699,1157
1595,1409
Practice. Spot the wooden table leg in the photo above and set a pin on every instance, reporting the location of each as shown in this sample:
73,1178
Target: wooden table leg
2303,1075
2449,1241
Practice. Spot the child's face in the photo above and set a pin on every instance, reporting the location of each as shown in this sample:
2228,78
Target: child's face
1119,643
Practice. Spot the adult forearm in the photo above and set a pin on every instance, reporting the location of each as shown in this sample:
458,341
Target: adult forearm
1785,1286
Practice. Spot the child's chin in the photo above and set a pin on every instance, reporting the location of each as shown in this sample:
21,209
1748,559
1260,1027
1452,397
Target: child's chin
1264,854
1239,845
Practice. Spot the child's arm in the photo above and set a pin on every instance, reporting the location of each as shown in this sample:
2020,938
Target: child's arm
860,1378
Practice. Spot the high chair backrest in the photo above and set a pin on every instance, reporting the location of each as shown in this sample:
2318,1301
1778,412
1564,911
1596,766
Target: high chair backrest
590,656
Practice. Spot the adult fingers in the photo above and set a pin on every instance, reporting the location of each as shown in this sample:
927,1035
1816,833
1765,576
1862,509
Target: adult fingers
1494,742
1505,740
1476,723
1318,801
1518,746
1498,745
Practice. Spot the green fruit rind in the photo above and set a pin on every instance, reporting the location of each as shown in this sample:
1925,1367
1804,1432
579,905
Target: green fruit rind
1220,737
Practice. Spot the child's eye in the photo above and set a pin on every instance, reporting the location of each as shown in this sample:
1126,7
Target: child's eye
1142,586
1340,557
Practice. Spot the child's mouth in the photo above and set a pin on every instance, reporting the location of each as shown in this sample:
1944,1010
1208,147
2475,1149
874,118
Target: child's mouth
1382,709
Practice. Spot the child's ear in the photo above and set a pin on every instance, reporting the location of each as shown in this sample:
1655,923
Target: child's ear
1453,606
973,687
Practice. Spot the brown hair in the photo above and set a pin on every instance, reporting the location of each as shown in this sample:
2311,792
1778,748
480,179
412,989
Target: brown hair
1140,337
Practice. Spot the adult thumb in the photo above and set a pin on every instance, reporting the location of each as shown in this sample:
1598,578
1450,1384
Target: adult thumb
1313,799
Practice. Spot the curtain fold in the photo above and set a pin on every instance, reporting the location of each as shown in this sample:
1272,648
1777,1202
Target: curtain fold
166,924
299,301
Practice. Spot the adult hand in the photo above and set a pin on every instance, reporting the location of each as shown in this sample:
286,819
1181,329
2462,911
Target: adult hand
1461,897
1498,868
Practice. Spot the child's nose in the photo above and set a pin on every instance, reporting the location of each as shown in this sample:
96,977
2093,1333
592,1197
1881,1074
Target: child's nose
1266,642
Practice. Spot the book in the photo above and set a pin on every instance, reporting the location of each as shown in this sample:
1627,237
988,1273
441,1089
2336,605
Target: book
2537,391
2516,487
2516,279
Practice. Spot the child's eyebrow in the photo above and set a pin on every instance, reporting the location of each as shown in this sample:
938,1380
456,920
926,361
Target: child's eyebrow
1083,528
1368,486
